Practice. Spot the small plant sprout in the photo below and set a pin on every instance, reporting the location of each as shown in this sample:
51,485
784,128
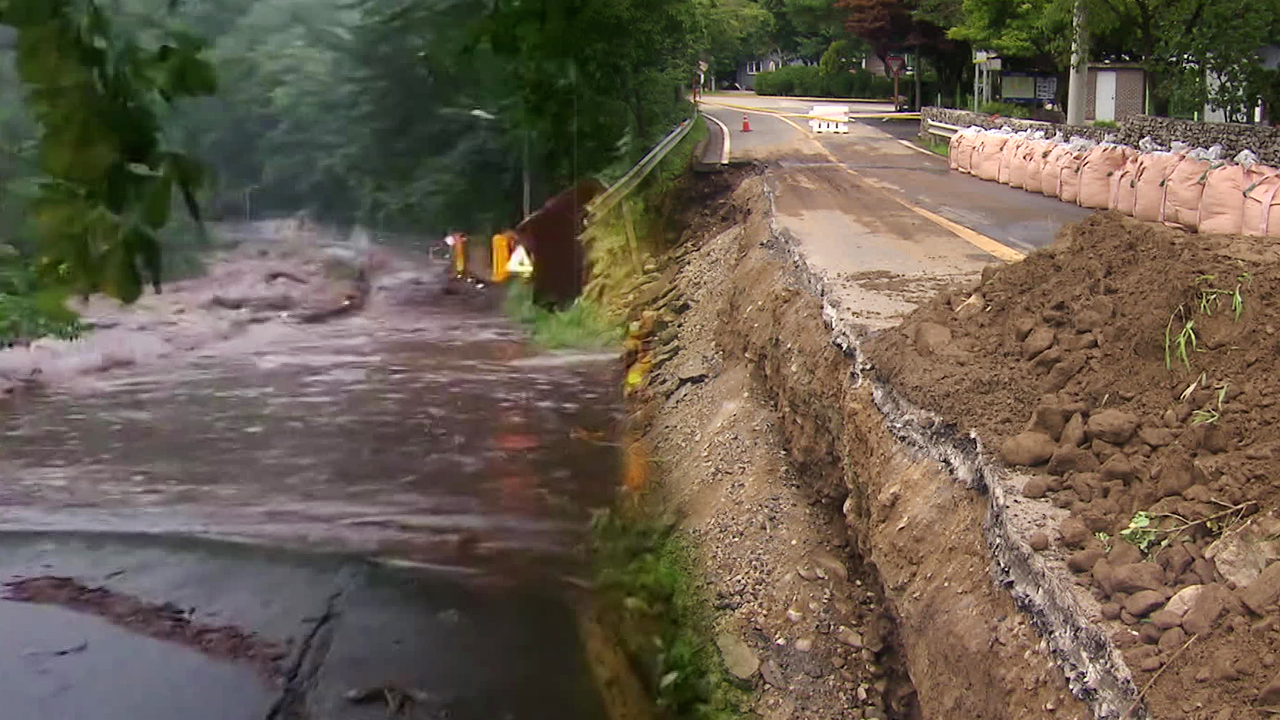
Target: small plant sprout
1208,416
1147,537
1179,346
1141,534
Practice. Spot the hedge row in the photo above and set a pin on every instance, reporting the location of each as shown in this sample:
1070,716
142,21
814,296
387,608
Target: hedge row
810,80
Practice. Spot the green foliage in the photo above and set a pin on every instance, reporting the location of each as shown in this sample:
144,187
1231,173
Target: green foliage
811,81
29,311
1142,534
1006,109
937,147
738,30
804,29
1109,124
106,174
649,579
582,325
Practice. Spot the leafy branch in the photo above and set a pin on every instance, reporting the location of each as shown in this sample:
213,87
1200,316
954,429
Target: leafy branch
107,179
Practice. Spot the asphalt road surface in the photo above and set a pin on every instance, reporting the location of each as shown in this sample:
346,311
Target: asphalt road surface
885,223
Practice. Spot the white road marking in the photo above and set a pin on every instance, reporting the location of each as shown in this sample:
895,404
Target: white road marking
724,133
919,149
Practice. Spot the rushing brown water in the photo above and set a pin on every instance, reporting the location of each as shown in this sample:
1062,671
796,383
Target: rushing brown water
432,436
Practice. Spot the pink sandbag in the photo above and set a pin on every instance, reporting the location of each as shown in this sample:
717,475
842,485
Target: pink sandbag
1008,155
1183,188
1018,164
1123,192
953,149
1222,204
964,154
1100,165
1262,203
1052,173
1148,184
1069,182
1040,151
986,155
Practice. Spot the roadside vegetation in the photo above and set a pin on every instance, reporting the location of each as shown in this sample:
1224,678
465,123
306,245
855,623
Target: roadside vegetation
582,325
648,590
937,147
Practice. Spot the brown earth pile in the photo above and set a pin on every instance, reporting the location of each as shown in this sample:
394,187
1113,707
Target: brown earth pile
1068,364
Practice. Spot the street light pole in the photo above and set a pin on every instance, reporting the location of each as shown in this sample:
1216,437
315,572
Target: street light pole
525,173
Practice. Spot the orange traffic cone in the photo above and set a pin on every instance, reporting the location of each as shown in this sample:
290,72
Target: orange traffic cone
746,125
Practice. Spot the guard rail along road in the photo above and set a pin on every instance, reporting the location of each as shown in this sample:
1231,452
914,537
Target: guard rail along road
610,198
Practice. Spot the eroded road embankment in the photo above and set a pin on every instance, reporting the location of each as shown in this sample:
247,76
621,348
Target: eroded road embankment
855,545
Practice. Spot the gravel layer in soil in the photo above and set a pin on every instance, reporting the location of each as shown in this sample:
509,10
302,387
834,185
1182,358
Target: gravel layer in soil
1068,365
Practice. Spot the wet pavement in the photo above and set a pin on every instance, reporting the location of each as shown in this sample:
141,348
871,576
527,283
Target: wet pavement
874,150
397,498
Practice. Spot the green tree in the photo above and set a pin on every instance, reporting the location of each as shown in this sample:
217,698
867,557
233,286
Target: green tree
106,173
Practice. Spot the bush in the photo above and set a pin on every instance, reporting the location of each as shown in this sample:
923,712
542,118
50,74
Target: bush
1005,109
582,325
811,80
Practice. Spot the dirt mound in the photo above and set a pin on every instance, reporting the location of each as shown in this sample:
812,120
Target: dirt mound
1132,369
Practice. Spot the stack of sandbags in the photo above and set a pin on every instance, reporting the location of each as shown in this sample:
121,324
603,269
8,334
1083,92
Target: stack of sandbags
1070,167
1262,203
960,150
1040,151
1051,174
987,153
1098,174
1008,155
1222,202
1148,184
1184,186
1019,154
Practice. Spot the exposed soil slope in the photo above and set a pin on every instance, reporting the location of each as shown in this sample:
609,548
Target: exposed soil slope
1061,364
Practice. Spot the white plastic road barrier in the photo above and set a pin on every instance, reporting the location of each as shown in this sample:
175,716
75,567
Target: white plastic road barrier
830,118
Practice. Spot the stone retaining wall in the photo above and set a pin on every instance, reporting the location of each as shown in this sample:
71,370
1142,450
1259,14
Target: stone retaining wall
1263,140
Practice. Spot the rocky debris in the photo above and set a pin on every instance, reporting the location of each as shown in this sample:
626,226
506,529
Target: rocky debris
1242,554
932,337
1040,340
1182,451
784,580
163,621
1270,694
1209,606
1028,448
1113,426
739,659
1143,603
1263,592
1135,577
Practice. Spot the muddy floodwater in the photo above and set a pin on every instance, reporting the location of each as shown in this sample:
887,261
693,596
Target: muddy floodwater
446,441
433,437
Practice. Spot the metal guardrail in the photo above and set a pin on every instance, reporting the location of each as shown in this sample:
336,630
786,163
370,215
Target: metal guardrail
941,129
619,190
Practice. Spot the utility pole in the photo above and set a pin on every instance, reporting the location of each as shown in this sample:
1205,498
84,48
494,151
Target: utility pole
1079,74
525,173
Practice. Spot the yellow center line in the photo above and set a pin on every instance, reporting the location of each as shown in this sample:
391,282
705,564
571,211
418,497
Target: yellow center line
989,245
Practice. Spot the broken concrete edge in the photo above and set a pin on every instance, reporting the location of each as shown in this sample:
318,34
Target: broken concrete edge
1093,666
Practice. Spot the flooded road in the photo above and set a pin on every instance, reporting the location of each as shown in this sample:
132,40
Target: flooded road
438,440
431,437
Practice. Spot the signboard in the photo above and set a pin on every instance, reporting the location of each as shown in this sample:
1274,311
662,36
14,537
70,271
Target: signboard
896,64
1028,87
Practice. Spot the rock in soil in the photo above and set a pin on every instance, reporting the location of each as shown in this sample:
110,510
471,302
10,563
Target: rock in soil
739,659
1123,281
